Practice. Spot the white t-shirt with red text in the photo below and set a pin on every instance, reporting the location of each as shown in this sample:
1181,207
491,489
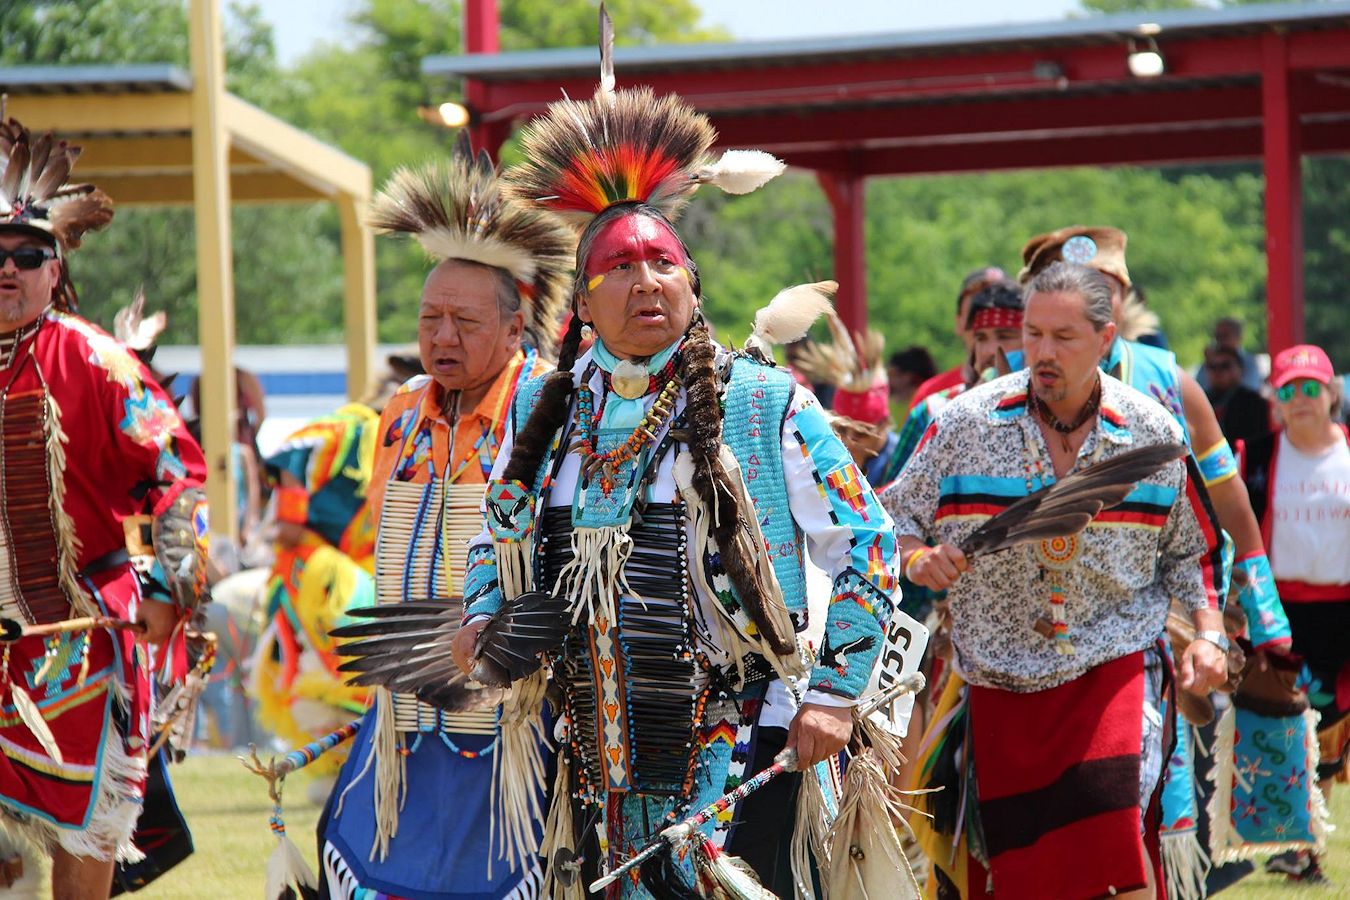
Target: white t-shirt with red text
1310,515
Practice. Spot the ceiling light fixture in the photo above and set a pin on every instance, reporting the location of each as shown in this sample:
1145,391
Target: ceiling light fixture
1145,59
446,115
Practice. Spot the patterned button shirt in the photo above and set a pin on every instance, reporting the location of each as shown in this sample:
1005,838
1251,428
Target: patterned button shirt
1116,579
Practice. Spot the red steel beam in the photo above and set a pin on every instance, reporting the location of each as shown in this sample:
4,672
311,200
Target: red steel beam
736,86
1319,49
789,130
1281,162
1164,147
847,190
481,36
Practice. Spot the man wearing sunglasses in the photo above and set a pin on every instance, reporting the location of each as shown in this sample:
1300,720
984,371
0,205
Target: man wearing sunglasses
102,513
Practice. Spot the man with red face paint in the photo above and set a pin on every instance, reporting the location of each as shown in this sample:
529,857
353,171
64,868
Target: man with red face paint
668,491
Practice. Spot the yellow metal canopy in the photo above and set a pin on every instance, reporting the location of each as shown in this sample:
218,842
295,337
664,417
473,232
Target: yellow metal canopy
156,135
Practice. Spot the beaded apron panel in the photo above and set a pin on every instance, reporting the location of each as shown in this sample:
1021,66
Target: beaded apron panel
635,690
419,555
30,589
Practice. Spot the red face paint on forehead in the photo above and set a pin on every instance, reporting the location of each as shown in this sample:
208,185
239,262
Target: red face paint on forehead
633,238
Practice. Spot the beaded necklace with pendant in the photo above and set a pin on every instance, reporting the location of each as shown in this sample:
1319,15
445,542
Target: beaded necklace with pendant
607,464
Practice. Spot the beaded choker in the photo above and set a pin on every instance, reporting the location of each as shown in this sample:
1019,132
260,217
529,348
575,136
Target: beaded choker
9,343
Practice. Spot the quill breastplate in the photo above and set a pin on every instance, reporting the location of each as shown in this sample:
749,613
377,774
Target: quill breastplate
420,554
634,689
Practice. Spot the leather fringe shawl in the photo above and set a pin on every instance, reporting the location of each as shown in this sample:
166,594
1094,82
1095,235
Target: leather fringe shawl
699,375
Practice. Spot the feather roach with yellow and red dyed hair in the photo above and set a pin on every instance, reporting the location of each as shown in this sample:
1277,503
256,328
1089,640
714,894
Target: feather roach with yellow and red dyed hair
629,145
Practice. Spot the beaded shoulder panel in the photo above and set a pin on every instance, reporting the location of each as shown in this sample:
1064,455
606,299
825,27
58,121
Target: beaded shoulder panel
756,399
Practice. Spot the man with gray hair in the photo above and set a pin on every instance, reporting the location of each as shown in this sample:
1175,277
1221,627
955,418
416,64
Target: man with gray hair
1049,631
403,819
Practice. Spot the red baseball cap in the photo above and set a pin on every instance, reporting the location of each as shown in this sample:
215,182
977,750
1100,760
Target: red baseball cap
1300,361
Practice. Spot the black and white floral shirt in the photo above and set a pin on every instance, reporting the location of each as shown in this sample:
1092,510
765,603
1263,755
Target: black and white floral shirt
1113,582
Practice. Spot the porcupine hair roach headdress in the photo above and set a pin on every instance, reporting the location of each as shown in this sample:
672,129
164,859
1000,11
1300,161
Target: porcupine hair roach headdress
627,146
34,195
456,209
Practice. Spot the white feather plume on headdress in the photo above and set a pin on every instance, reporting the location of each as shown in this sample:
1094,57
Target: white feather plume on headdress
742,171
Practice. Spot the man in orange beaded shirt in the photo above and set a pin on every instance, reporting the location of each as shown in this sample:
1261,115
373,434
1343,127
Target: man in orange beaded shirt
417,783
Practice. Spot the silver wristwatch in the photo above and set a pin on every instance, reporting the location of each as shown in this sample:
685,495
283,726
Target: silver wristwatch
1217,638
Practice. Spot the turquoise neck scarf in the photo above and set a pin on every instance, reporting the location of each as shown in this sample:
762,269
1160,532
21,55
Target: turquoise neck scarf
620,412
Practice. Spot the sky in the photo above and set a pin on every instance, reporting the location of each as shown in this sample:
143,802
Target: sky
300,24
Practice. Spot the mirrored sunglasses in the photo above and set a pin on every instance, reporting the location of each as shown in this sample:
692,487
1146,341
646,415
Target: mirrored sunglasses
1310,389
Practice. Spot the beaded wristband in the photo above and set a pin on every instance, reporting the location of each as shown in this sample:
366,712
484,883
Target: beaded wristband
1217,464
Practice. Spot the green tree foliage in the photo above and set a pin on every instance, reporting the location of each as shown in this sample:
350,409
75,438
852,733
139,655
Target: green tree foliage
531,24
1194,244
1326,244
287,267
1196,234
69,32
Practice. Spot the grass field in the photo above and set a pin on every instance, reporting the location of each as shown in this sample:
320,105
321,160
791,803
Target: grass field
228,808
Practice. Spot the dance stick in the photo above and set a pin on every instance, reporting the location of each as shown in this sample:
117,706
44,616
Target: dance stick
12,629
297,759
785,761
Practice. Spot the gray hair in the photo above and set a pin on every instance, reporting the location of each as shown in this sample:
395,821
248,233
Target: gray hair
508,292
1071,278
503,284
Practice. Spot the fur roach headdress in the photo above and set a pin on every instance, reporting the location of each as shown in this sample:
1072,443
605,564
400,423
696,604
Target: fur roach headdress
627,146
456,209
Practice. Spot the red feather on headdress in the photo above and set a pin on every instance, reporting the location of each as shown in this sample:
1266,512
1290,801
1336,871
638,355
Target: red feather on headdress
629,145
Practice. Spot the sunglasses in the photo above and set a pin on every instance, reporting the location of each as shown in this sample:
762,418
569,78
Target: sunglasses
27,258
1310,389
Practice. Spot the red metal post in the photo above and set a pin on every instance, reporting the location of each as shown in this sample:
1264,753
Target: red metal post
1281,159
846,192
481,36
